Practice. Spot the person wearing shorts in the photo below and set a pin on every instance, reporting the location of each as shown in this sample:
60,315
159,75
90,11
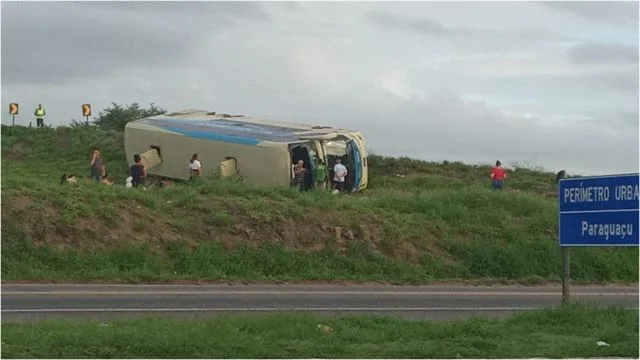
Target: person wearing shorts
339,174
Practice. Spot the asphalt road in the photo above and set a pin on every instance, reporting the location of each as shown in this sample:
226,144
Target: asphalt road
28,302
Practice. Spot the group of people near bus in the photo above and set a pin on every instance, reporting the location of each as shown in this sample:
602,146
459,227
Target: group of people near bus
98,170
498,176
319,174
137,171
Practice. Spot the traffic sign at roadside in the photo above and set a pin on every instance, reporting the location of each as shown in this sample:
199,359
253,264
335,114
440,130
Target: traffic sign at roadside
13,109
599,211
86,109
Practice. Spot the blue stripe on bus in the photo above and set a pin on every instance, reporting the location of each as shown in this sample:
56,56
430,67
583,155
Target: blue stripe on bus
228,127
209,135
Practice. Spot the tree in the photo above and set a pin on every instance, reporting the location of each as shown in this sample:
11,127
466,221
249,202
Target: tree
115,117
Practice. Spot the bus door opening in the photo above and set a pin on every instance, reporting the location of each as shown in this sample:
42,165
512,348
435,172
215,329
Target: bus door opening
301,152
340,149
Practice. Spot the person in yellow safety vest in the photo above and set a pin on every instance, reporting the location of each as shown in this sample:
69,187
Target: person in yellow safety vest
39,113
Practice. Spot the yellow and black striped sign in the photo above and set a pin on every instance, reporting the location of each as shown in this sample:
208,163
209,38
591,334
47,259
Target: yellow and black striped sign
13,109
86,109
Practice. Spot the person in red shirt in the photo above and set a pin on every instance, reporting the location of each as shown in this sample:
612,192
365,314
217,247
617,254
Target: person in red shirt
498,174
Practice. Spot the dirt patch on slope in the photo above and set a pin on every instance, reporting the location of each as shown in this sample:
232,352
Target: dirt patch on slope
315,230
42,223
17,151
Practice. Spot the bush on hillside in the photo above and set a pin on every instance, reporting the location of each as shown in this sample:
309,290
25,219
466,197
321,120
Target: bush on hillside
116,116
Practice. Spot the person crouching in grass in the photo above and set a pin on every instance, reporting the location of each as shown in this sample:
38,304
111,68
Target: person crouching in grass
68,179
105,178
137,171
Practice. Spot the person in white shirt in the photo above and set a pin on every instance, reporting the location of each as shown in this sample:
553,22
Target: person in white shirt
195,167
339,174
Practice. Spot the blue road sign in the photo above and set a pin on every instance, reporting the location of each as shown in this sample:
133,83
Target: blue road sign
599,211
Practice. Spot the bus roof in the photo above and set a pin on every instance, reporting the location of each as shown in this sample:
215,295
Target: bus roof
233,128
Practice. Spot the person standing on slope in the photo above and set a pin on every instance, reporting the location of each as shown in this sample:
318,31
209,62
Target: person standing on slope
320,175
195,167
498,174
39,113
339,174
298,175
97,166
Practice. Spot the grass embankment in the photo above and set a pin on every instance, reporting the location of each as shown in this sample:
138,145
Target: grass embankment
437,222
561,333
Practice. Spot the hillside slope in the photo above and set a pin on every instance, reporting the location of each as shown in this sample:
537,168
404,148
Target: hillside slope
417,222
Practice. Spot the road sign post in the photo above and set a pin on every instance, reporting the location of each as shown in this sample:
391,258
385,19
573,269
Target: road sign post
86,112
596,212
13,111
565,275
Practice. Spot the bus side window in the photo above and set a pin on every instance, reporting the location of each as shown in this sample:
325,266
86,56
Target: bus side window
229,167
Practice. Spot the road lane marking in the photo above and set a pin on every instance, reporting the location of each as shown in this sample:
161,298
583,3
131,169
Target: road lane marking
281,293
263,309
359,309
317,286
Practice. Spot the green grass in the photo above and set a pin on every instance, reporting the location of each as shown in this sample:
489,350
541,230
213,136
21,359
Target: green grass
440,222
211,262
555,333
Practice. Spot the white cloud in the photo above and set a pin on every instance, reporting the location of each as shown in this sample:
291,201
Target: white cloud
396,83
553,84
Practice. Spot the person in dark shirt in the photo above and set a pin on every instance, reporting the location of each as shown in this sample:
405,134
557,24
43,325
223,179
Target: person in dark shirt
137,171
97,166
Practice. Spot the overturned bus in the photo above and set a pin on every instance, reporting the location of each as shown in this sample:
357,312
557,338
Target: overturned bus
261,151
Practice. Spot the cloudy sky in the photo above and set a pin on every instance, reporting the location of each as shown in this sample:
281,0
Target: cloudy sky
553,84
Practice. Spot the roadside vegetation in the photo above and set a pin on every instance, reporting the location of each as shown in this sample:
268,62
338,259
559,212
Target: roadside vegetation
418,222
571,332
